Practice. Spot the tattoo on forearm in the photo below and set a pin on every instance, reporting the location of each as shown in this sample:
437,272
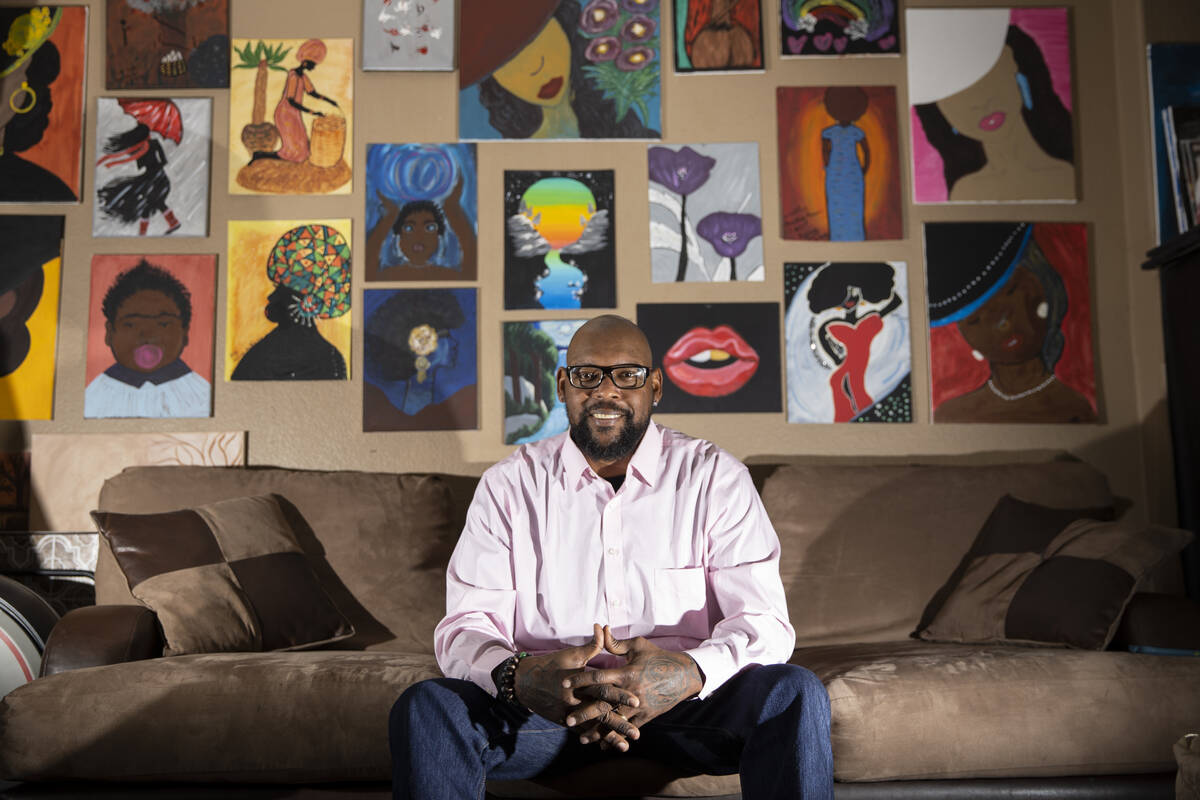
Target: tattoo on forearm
531,687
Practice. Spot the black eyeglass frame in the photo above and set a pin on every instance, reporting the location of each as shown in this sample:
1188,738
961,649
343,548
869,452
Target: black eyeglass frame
607,372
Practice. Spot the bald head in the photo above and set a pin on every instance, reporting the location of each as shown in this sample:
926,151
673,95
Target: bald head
607,332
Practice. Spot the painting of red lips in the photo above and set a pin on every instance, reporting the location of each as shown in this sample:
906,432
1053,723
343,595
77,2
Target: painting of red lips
716,356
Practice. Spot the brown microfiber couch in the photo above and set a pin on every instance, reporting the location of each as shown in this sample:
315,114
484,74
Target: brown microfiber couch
865,546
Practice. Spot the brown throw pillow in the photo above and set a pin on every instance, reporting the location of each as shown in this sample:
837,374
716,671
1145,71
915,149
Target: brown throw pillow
1035,576
224,577
1014,526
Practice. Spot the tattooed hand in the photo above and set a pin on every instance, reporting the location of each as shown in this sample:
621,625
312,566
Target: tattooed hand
659,679
540,685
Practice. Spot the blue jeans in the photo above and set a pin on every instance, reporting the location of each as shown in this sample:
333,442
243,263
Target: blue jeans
770,724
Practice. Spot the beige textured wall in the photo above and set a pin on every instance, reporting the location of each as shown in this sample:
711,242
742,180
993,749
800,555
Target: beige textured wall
1130,445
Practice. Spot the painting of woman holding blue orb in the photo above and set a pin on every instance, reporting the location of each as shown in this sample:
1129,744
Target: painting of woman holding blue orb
422,212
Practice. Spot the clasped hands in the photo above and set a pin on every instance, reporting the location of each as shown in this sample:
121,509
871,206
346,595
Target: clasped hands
607,705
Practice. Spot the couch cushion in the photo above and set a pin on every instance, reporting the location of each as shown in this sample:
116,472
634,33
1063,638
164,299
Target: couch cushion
865,547
915,710
222,577
1030,583
378,542
288,717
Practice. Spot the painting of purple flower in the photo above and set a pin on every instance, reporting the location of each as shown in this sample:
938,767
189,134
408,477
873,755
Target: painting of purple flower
606,48
599,16
718,185
639,6
729,234
638,29
634,58
682,171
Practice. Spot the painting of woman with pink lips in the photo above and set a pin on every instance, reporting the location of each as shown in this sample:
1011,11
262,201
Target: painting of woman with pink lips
717,357
991,105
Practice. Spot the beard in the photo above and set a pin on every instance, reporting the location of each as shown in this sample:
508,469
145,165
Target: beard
625,443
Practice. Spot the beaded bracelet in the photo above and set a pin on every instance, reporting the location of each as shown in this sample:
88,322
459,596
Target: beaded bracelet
505,675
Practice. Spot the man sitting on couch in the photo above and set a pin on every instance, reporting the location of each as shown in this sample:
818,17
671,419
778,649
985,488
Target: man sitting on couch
661,537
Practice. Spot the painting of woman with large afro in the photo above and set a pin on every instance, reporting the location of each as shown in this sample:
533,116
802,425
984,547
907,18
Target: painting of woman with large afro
559,69
419,356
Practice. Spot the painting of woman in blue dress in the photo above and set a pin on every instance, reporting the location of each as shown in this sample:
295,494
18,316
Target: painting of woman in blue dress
844,172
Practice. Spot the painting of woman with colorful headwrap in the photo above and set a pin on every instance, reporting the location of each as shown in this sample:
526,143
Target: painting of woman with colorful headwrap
41,96
309,267
990,90
1010,322
419,356
559,69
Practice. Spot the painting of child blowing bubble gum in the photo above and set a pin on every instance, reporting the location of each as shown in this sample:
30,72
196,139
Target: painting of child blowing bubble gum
990,90
150,337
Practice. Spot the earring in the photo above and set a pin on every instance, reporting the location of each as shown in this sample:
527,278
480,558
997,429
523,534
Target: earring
1026,94
25,89
656,404
1043,310
978,356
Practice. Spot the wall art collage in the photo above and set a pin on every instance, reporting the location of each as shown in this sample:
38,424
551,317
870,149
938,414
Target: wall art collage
989,122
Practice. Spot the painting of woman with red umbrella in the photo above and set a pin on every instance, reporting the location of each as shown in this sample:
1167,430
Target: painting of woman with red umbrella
153,174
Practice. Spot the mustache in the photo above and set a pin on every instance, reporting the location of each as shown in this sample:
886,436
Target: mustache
608,407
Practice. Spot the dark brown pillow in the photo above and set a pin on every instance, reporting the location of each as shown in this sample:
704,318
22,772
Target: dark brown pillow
1014,526
1044,576
228,576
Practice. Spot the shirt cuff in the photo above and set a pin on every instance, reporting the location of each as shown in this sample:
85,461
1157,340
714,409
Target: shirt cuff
481,670
715,664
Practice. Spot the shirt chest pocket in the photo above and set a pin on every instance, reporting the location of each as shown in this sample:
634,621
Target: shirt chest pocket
678,593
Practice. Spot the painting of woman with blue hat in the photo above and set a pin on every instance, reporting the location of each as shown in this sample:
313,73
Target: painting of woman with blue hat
1010,322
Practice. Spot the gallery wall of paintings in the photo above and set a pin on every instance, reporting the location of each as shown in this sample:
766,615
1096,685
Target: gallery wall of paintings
364,232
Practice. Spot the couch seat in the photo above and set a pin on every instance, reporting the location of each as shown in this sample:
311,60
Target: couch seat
290,717
916,710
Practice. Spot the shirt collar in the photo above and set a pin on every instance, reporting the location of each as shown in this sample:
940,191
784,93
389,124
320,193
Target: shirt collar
643,465
176,369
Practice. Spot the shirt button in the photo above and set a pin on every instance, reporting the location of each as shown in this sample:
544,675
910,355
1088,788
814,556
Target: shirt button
616,603
612,551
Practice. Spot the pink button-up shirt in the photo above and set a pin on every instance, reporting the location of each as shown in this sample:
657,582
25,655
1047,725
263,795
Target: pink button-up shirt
682,553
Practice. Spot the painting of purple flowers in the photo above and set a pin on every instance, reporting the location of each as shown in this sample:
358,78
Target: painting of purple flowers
705,213
560,69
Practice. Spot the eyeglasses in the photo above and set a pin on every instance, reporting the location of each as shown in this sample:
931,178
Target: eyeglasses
623,376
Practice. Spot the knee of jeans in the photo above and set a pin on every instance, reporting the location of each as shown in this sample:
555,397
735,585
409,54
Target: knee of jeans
422,700
783,684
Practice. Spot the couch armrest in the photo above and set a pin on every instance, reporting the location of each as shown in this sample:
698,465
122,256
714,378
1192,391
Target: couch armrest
1159,620
95,635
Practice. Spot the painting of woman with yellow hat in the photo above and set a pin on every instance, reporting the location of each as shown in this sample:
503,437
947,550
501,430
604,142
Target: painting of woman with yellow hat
41,103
